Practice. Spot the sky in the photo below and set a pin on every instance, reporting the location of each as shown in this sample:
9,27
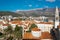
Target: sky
13,5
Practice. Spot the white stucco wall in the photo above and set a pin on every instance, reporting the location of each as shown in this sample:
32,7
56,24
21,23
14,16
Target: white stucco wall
45,27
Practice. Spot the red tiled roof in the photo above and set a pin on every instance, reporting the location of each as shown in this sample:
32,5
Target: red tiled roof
5,24
46,35
36,29
45,23
1,22
16,22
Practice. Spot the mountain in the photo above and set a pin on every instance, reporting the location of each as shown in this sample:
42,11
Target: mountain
5,13
50,12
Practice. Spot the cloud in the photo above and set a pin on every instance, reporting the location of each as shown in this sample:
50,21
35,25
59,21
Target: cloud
30,5
51,0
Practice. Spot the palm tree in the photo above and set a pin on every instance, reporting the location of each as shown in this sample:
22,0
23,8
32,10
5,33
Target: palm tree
8,31
18,32
13,34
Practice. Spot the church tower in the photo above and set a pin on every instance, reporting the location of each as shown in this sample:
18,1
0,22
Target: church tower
56,17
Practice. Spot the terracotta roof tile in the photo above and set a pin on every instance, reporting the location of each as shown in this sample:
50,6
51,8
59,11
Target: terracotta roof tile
5,24
1,22
45,23
46,35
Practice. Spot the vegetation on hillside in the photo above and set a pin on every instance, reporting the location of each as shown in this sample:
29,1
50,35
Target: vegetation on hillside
34,14
6,13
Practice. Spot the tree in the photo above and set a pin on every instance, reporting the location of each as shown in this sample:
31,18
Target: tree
18,32
17,28
13,34
10,38
1,35
32,26
8,32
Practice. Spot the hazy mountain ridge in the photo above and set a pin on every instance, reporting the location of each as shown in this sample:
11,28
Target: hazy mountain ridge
50,12
6,13
39,12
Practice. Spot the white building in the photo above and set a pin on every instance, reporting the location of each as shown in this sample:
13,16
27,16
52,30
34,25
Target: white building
45,26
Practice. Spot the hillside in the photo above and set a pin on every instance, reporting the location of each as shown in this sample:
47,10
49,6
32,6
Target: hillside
5,13
50,12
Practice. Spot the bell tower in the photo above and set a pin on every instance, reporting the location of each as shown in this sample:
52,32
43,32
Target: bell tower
56,17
